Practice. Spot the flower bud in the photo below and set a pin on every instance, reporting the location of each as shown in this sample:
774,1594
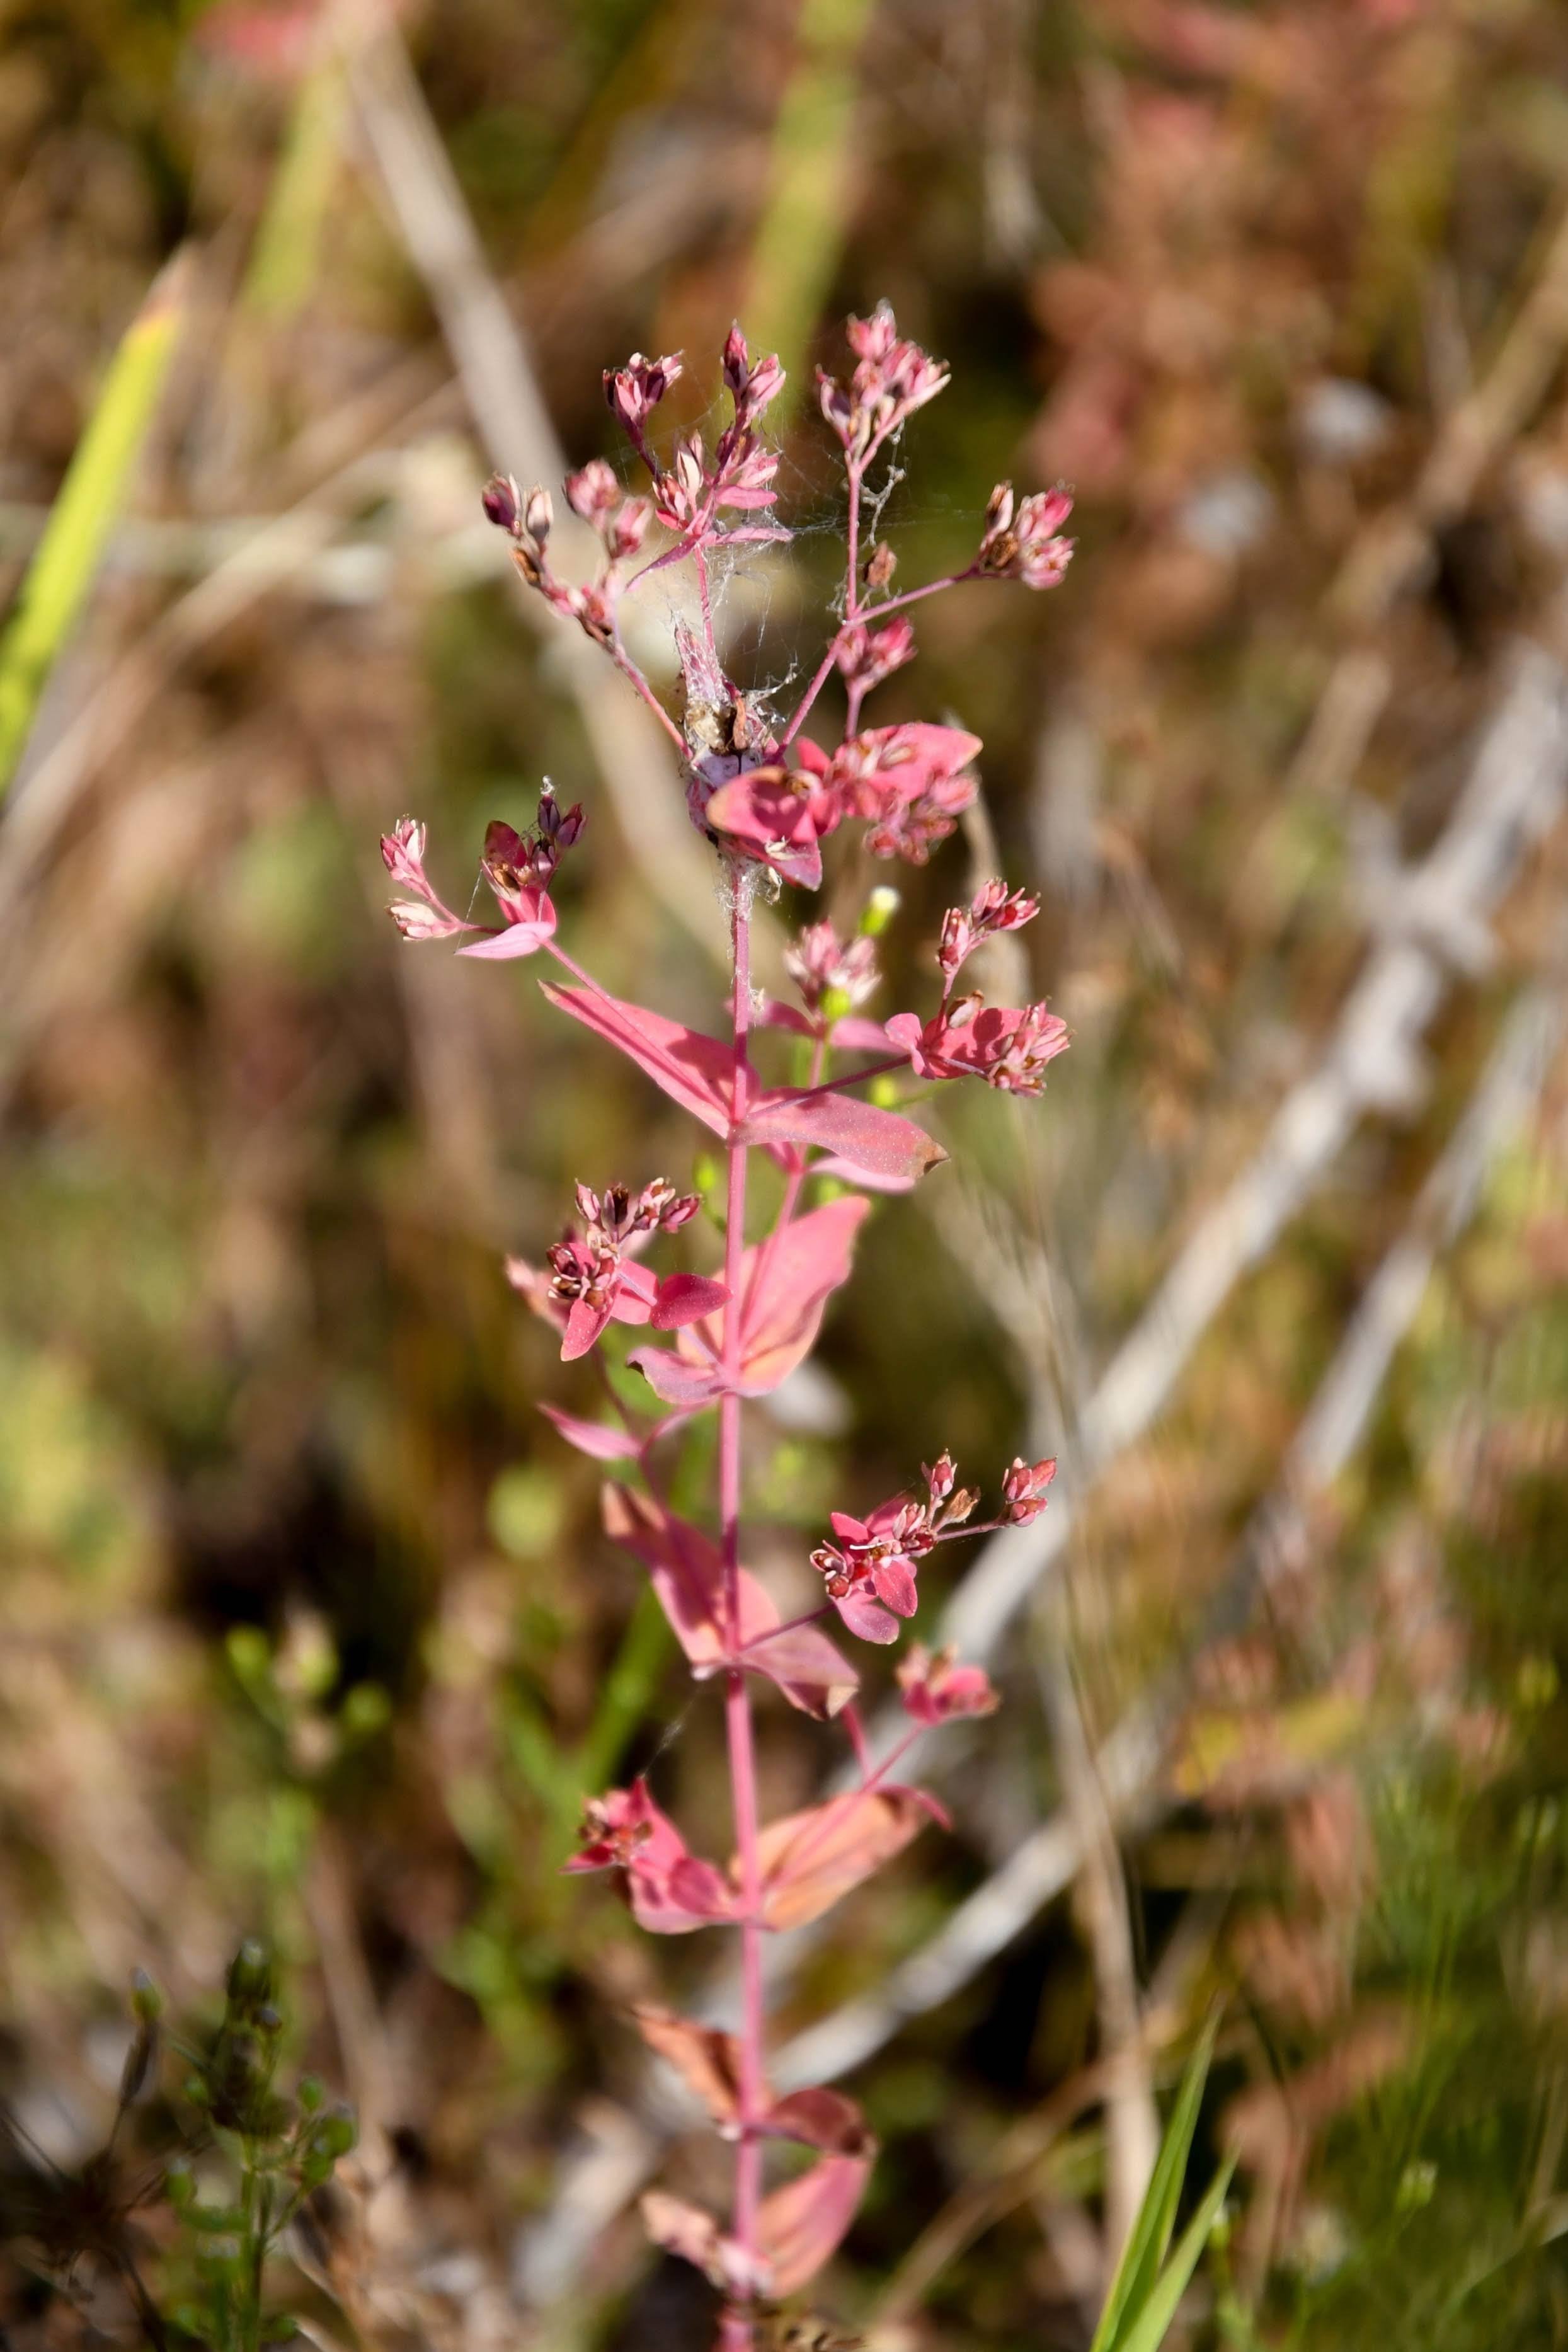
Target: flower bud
538,513
880,910
501,501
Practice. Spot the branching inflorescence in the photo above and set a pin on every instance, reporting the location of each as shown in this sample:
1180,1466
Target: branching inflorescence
766,796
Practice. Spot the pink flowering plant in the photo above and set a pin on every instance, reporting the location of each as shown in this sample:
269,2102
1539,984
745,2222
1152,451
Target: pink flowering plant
767,795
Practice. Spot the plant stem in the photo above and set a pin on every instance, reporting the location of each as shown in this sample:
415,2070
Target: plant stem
739,2334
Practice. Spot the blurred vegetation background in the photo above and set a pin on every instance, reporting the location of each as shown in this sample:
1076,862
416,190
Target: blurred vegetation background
307,1630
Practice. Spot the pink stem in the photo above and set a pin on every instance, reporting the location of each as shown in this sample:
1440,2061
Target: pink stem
823,670
739,2333
629,670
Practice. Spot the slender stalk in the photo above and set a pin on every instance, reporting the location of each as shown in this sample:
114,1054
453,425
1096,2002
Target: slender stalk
739,2334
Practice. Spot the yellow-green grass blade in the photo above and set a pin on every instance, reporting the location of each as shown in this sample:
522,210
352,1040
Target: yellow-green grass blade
1148,2325
1144,2251
92,500
801,234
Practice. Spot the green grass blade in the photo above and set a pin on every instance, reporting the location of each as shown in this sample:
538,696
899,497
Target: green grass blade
85,513
628,1689
1146,2331
1151,2232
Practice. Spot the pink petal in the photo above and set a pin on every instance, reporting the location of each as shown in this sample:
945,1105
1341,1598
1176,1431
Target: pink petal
685,1298
583,1324
597,1438
867,1617
820,2118
634,1294
764,815
696,1071
522,938
801,2225
894,1582
878,1140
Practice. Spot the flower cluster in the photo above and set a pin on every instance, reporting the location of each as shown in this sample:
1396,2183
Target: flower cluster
870,1568
1025,545
594,1279
867,656
908,784
892,379
834,975
937,1690
517,866
993,910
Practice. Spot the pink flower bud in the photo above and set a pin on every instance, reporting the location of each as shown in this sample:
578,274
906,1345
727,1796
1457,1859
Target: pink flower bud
592,491
1024,1489
501,501
936,1690
628,528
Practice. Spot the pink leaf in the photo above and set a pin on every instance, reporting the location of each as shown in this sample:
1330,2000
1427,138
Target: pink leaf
878,1140
812,1674
696,1071
786,1283
687,1569
820,2118
810,1859
599,1438
706,2060
517,939
801,2225
685,1298
848,1173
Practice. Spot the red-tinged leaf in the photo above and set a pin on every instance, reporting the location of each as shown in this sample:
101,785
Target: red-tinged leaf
847,1172
786,1283
812,1674
687,1569
706,2060
685,1298
688,1387
695,1893
799,2226
810,1859
683,2230
600,1439
696,1071
517,939
877,1140
855,1034
820,2118
932,1807
776,1016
